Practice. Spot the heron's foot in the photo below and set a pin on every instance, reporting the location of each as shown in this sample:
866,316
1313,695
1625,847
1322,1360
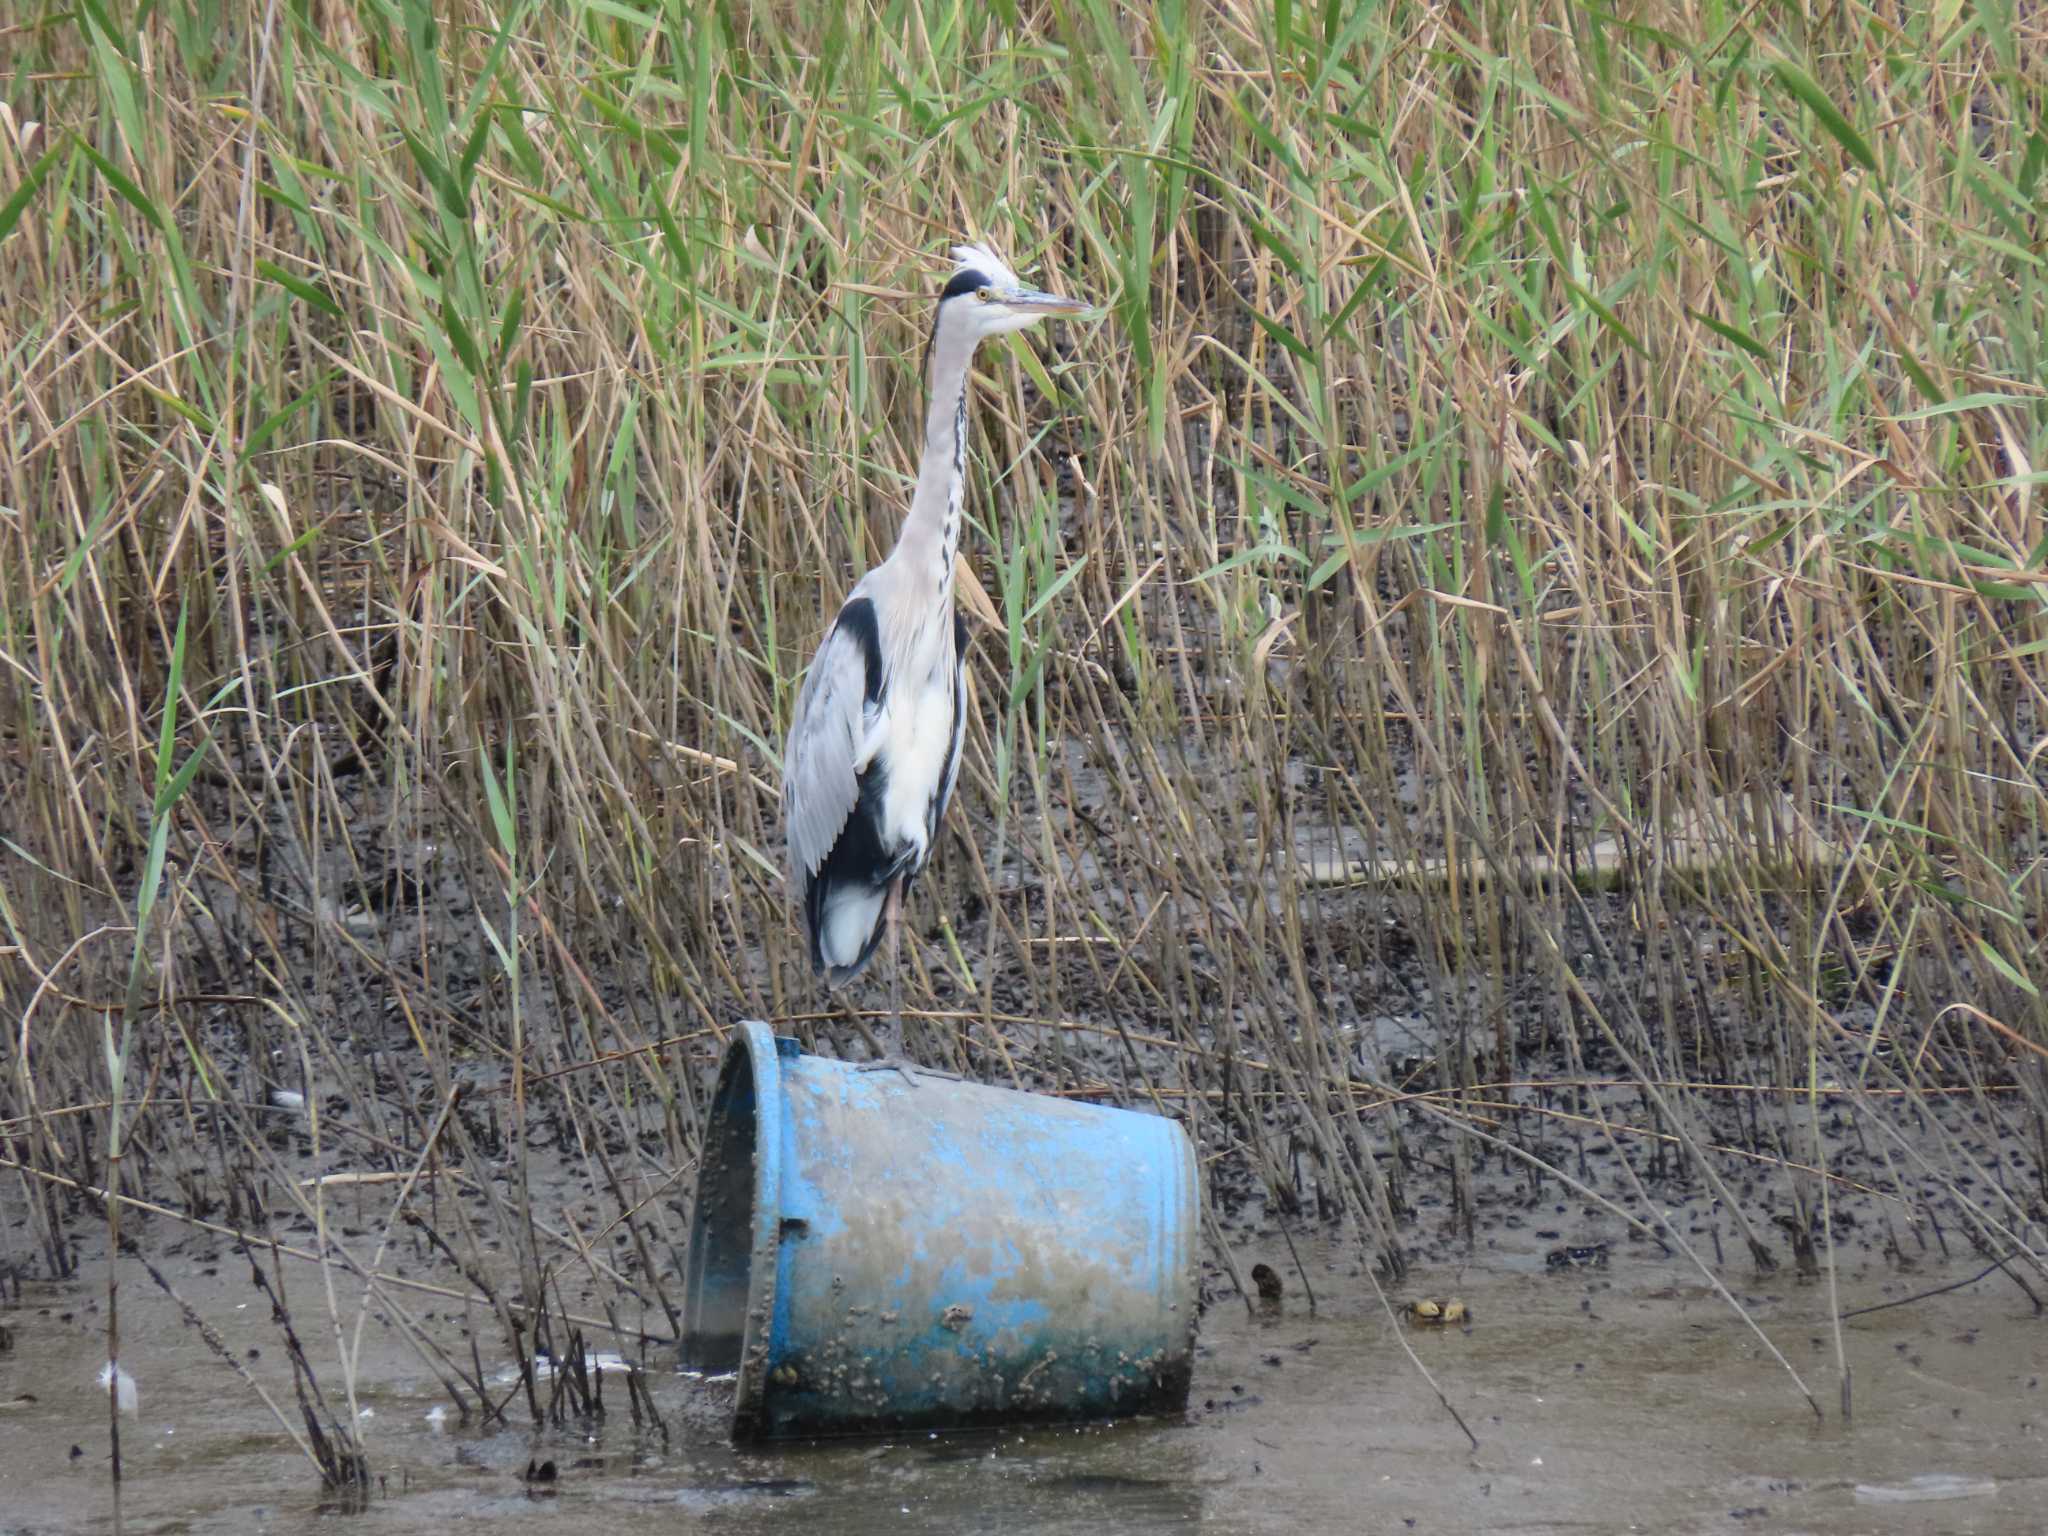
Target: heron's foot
904,1067
900,1064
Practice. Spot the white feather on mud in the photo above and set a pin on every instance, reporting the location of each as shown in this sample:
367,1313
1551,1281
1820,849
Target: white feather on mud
125,1395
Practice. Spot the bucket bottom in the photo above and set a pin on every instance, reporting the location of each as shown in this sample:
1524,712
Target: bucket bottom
721,1252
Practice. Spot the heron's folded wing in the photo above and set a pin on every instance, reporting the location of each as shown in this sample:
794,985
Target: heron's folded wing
827,741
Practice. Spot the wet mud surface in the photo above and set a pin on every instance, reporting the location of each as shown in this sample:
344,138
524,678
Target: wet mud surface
1616,1397
1613,1390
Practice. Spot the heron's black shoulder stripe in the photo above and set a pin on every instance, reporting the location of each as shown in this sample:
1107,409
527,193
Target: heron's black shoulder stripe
857,618
966,280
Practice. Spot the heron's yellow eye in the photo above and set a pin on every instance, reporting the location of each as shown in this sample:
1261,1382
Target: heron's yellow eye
986,295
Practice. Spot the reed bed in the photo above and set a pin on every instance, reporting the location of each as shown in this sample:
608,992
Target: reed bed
1542,557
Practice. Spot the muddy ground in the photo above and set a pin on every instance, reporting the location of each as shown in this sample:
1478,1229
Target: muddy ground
1628,1397
1632,1393
1610,1385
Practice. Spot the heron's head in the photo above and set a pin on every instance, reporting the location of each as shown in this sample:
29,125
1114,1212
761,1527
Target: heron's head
987,298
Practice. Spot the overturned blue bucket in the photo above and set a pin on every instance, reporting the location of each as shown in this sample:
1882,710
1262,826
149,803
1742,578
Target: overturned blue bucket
871,1254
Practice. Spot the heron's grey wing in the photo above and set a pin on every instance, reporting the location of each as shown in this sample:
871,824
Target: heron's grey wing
827,750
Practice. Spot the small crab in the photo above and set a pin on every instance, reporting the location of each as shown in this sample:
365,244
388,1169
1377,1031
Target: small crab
1428,1312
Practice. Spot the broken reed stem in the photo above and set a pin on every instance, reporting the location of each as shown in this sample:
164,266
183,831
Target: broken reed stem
114,1336
1394,1322
226,1355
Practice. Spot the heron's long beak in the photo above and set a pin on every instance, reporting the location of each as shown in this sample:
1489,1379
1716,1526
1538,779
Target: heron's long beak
1034,302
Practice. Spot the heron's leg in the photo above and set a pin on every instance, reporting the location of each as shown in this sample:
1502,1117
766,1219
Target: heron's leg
893,1059
893,916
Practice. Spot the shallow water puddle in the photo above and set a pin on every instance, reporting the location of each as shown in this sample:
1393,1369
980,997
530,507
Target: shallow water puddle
1604,1400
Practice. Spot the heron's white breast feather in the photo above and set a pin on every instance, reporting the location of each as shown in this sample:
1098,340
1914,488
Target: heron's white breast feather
919,742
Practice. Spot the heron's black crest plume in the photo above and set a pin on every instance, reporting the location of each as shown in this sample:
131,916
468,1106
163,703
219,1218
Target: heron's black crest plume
966,280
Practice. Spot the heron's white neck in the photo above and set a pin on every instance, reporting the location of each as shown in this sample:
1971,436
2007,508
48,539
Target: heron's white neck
931,533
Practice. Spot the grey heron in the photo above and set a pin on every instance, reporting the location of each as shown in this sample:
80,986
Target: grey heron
874,747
